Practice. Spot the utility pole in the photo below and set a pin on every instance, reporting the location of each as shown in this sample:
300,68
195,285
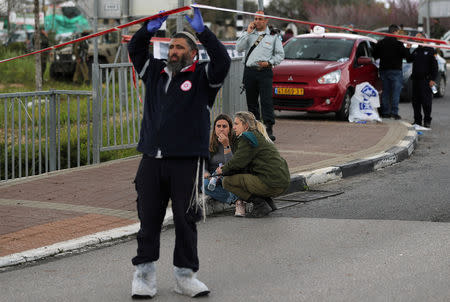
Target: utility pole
428,19
37,44
261,5
180,17
239,17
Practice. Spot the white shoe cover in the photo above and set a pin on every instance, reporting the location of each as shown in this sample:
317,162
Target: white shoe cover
188,284
144,281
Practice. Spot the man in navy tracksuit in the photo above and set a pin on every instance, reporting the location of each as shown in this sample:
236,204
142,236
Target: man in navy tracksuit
424,74
174,141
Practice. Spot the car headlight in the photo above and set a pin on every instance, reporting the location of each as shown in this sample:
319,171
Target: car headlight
330,78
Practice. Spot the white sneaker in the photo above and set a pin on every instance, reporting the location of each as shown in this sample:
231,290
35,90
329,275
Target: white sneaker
188,284
144,281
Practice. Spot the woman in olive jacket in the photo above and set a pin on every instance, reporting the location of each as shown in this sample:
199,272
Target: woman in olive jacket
256,172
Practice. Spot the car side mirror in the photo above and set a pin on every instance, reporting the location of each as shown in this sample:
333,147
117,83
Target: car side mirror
364,60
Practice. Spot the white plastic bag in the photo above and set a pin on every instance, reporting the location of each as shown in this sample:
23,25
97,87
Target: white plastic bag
364,103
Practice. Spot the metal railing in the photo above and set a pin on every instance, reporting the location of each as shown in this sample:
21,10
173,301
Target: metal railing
52,130
40,133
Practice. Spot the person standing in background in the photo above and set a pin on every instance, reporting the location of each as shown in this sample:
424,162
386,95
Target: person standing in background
424,74
391,53
262,52
80,51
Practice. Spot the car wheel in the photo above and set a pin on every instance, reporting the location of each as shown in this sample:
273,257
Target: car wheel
342,114
441,86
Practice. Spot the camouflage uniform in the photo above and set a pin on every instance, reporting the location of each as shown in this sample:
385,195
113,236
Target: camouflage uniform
80,50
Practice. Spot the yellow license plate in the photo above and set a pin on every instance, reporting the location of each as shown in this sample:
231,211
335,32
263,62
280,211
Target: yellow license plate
289,91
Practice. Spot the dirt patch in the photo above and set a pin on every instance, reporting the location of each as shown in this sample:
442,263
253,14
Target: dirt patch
15,85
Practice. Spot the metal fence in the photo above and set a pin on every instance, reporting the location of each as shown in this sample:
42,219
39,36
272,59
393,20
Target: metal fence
44,131
57,129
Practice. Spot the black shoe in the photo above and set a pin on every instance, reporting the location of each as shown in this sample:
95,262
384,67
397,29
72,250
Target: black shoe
270,133
396,117
260,207
271,203
427,124
385,115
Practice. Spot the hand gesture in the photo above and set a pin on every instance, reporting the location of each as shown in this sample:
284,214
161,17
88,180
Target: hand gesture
197,21
251,27
223,139
155,24
219,170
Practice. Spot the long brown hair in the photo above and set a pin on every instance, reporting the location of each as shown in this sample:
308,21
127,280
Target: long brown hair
213,140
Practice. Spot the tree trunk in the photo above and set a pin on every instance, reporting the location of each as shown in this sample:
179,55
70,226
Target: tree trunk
37,45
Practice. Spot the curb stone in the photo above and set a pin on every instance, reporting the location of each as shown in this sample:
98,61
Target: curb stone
76,244
299,182
395,154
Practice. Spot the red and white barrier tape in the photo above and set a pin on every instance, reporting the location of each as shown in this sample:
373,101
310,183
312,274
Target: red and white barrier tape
184,8
328,26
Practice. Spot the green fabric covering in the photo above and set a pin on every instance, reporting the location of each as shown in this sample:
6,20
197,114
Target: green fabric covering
65,25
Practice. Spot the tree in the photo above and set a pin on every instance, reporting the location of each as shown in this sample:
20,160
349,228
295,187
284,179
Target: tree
291,9
37,44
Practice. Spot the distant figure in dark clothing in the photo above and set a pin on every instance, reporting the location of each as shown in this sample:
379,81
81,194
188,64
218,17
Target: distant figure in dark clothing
80,51
287,35
424,74
391,53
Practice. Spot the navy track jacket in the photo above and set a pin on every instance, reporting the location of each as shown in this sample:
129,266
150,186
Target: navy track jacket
178,122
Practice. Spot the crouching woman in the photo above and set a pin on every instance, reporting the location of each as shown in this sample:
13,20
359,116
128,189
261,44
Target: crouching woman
256,171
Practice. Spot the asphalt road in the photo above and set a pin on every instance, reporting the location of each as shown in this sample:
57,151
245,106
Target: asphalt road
386,238
416,189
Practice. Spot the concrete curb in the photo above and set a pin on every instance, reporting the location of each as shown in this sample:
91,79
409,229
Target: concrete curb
299,182
76,244
395,154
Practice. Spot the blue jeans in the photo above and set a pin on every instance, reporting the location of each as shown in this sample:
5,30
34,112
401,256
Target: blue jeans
392,87
219,193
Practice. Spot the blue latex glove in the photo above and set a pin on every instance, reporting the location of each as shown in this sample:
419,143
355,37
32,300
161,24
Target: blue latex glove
154,24
197,21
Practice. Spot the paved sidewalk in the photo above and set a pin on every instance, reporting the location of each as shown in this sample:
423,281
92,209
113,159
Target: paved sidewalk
57,212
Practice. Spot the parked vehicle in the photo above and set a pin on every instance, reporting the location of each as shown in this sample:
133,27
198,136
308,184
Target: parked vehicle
446,52
320,72
441,82
21,36
63,60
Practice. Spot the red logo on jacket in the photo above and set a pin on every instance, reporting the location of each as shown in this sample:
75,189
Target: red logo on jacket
186,86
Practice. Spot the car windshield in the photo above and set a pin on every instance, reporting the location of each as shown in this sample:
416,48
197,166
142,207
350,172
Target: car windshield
318,49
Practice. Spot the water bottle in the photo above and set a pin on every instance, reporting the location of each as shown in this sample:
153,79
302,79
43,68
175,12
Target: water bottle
212,183
213,180
434,89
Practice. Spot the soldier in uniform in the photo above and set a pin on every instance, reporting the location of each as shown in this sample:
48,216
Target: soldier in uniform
80,50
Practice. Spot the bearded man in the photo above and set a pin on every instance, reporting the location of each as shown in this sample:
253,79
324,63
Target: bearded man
174,140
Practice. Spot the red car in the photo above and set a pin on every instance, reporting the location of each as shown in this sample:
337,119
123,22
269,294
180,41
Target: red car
320,72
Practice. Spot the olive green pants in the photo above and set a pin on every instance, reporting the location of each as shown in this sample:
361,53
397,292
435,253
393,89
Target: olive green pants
246,185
